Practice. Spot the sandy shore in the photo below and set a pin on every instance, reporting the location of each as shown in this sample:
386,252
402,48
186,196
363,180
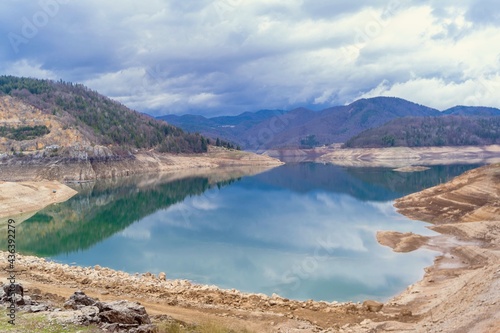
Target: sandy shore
459,293
24,198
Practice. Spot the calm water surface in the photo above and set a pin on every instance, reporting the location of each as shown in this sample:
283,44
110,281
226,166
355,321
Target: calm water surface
304,231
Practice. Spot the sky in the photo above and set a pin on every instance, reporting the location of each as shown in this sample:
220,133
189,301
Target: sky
231,56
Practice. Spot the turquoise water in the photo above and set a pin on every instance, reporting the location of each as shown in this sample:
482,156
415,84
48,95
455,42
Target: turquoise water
303,231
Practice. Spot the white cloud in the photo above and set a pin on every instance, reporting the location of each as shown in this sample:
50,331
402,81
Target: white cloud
230,56
27,68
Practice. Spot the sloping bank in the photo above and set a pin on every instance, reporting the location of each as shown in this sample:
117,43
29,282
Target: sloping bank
90,168
407,156
461,291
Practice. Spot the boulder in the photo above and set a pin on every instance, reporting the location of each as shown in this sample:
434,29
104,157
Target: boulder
124,312
38,308
372,306
78,300
14,288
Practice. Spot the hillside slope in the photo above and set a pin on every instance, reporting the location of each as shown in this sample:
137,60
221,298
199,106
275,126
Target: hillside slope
79,117
430,131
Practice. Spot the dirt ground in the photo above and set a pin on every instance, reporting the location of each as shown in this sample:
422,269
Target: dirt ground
459,293
27,197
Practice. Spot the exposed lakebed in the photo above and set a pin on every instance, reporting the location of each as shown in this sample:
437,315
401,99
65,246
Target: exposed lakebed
303,231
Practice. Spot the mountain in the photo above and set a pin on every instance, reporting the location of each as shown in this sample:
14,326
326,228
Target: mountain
480,111
431,131
302,127
225,127
35,114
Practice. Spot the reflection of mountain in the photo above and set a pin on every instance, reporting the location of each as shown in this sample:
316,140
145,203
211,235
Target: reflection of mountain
98,212
385,184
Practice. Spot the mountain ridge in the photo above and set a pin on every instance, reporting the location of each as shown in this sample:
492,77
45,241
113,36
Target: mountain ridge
305,128
283,129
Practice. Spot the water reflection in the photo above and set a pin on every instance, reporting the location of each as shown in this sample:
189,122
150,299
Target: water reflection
302,231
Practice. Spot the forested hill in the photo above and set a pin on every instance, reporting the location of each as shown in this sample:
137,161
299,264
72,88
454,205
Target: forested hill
99,119
430,131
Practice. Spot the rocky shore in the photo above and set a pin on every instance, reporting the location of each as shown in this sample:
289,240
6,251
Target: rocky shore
160,295
101,166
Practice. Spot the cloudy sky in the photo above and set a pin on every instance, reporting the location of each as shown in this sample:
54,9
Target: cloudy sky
229,56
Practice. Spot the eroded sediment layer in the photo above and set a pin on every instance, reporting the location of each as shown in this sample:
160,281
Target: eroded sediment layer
64,169
28,197
396,157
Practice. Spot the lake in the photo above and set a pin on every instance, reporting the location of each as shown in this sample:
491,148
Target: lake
303,231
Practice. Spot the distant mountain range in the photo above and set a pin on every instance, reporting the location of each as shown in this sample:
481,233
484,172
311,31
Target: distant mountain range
304,128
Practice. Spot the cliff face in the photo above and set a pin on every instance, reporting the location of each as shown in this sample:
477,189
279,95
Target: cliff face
15,114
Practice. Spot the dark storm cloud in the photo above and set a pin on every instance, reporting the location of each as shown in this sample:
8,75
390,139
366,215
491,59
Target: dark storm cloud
230,56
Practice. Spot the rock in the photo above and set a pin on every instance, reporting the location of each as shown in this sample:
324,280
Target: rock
79,300
89,314
162,276
110,327
406,313
27,300
14,288
372,306
86,281
365,322
124,312
18,299
38,308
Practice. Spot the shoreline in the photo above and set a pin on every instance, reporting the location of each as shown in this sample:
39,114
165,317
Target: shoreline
26,198
75,170
459,292
391,157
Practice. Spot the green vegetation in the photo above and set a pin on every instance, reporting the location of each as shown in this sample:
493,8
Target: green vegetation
430,131
226,144
24,132
31,323
209,327
35,323
309,142
103,120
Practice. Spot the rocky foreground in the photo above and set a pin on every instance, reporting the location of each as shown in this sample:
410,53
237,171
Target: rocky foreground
459,293
190,302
